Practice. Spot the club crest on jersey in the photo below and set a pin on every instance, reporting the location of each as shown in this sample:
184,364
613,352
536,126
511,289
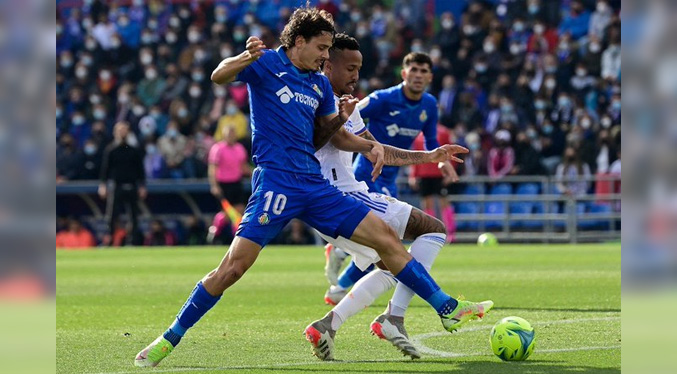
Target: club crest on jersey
318,90
423,116
264,219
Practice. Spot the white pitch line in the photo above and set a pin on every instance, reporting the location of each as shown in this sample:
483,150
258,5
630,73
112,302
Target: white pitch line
417,340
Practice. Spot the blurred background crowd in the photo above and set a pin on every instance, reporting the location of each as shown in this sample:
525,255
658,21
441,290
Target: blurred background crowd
531,87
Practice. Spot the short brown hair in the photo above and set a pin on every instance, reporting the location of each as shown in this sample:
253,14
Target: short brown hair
306,22
417,57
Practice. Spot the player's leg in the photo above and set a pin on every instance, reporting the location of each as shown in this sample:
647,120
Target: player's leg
333,260
350,275
375,233
240,257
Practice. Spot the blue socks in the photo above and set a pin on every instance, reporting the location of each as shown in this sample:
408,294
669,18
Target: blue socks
351,274
416,277
198,303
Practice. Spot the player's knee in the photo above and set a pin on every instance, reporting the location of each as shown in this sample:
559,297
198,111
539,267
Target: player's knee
230,274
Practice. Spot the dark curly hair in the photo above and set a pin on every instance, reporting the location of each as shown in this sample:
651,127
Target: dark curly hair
343,41
306,22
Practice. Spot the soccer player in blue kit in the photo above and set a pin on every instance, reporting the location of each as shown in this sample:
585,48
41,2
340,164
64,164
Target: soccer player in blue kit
287,94
395,117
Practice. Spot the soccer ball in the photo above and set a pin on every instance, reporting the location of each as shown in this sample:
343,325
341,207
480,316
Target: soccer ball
487,240
512,339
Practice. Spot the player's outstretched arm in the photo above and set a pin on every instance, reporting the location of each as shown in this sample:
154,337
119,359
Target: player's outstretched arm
401,157
373,150
229,68
327,126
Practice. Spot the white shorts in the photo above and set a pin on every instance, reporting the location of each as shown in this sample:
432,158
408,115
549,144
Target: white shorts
394,212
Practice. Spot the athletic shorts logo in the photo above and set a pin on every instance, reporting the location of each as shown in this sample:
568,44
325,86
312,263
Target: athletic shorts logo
264,219
285,95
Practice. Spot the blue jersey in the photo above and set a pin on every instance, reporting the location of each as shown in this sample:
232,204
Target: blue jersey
288,182
284,103
395,120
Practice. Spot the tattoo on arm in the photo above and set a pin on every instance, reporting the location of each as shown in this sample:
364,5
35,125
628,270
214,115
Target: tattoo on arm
367,135
399,157
324,132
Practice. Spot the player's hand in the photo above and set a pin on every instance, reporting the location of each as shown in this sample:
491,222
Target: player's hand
255,48
448,152
346,106
102,191
216,191
413,183
448,172
377,158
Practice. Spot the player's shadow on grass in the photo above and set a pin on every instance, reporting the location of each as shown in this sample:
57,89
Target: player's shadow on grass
447,366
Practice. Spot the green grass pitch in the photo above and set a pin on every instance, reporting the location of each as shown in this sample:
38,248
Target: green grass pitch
112,303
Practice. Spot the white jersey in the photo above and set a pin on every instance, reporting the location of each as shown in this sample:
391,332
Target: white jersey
337,165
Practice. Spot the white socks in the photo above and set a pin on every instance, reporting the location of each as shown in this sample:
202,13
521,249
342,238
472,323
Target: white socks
363,294
424,249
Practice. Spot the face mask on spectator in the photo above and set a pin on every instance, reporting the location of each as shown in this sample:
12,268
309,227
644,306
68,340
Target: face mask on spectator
586,123
601,7
115,43
59,29
138,110
197,76
531,133
146,39
515,49
581,72
78,120
59,112
238,36
361,32
616,105
606,122
219,92
66,62
183,113
435,53
152,24
105,75
123,98
534,8
151,74
87,23
221,17
248,19
481,68
90,44
123,21
539,104
489,47
474,146
90,149
447,24
146,58
81,73
87,60
550,84
231,110
99,114
172,133
155,114
518,26
548,129
417,47
539,29
355,16
138,2
226,52
151,148
563,101
194,37
174,22
170,38
595,47
194,92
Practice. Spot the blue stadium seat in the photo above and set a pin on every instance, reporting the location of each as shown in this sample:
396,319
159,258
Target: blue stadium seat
467,208
501,189
527,189
596,224
474,189
494,208
520,207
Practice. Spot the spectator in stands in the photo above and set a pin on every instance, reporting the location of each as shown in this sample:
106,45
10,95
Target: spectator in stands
158,235
152,87
76,237
196,231
174,149
475,162
600,19
448,100
235,119
153,163
572,174
611,59
123,166
68,159
527,158
606,152
577,22
502,156
91,163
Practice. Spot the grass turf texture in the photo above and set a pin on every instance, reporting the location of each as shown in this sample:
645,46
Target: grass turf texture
112,303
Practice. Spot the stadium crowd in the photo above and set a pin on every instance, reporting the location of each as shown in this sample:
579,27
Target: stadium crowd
531,87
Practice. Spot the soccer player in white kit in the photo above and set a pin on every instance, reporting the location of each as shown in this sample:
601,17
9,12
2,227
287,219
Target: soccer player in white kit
427,232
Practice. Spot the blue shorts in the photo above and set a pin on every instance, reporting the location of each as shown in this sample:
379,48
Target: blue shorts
279,196
382,186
